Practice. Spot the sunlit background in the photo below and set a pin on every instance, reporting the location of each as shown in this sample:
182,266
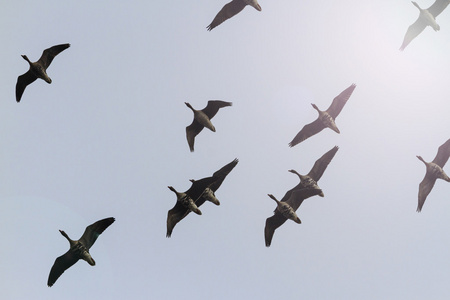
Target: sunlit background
107,137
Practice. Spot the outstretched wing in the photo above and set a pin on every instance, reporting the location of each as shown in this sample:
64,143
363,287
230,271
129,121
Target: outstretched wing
425,188
22,82
272,224
92,232
339,101
175,215
191,132
228,11
49,54
61,264
307,131
220,174
213,107
414,30
443,154
437,7
321,164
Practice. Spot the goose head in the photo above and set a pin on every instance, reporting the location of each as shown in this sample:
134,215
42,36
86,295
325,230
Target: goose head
420,158
26,58
316,108
189,105
254,3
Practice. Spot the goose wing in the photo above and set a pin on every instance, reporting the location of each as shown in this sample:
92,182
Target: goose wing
425,188
298,195
49,54
175,215
220,174
22,82
437,7
272,223
228,11
307,131
191,132
61,264
92,232
443,154
414,30
213,107
321,164
339,101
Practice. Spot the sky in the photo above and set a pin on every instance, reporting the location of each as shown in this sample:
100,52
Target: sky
107,137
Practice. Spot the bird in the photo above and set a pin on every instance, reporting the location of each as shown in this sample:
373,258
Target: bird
199,192
427,17
307,187
310,180
231,9
38,69
325,118
286,209
434,171
202,118
78,249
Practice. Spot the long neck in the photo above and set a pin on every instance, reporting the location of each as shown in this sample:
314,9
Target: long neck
416,5
26,58
67,237
420,157
190,106
179,195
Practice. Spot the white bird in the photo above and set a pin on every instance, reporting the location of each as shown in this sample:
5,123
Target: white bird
231,9
434,171
426,18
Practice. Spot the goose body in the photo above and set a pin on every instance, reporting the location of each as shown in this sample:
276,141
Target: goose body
186,201
38,69
200,191
202,118
78,249
286,209
231,9
427,17
326,119
434,171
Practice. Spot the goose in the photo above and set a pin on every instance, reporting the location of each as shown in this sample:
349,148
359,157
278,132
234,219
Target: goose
434,171
202,118
286,209
231,9
38,69
78,249
200,192
310,180
427,17
209,192
325,119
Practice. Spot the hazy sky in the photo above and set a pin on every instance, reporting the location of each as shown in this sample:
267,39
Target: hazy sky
107,137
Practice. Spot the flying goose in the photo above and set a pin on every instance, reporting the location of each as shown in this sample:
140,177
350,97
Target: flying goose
286,209
325,119
78,249
202,118
231,9
434,171
427,17
38,69
200,191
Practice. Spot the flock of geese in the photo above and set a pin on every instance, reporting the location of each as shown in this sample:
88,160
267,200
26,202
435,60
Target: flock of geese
204,189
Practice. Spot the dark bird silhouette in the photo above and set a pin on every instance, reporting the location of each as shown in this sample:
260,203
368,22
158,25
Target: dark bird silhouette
286,209
231,9
78,249
200,191
202,118
325,119
427,17
38,69
434,171
307,187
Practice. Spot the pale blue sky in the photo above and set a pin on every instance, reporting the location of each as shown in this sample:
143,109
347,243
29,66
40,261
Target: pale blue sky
107,137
